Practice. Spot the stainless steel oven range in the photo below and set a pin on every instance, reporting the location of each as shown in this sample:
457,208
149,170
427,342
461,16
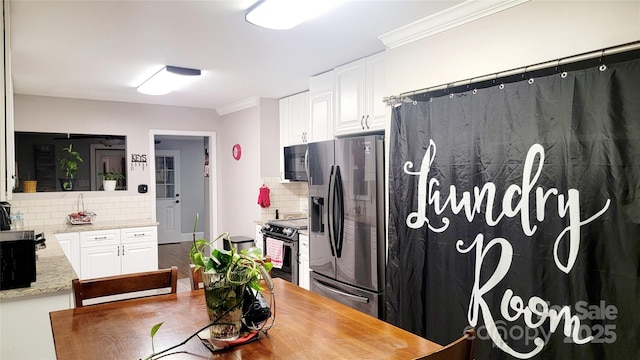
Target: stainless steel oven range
287,231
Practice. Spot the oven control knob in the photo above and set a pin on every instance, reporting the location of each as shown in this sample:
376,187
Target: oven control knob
287,231
266,227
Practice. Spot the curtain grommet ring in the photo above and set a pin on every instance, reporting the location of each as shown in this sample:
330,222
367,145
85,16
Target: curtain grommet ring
564,74
415,102
603,67
450,96
475,91
530,81
501,86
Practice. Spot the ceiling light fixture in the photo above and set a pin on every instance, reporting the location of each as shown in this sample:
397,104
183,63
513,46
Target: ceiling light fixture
168,79
286,14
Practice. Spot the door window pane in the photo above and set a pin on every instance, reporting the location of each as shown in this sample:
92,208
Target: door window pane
165,177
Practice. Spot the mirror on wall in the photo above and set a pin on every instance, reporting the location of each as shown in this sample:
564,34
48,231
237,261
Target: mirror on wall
40,166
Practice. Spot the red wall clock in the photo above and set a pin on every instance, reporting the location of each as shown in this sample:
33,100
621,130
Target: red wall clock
236,151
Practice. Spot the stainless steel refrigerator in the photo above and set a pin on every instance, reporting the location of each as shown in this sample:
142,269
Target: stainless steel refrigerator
347,222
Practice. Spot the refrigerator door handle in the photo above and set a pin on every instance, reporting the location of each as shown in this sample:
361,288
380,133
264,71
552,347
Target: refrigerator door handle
339,216
357,298
329,206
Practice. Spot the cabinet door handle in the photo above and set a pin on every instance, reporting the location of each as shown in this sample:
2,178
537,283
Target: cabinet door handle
122,250
118,250
366,122
362,122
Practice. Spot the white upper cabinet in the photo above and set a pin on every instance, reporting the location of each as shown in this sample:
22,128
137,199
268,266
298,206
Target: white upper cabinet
294,119
321,107
7,152
359,88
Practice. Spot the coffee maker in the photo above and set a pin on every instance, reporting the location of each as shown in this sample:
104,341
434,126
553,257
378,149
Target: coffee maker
5,216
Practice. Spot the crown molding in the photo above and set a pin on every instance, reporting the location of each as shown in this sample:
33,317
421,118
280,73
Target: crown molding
237,106
460,14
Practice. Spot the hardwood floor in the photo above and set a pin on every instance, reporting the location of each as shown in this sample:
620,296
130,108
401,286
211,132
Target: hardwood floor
175,254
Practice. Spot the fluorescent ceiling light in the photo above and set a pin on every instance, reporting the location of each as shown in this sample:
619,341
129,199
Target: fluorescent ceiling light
168,79
286,14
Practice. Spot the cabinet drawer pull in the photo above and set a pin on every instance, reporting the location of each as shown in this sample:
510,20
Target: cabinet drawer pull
100,238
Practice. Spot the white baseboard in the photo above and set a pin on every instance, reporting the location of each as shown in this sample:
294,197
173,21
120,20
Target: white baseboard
189,236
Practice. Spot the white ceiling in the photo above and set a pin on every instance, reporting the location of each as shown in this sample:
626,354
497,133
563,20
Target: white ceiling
102,49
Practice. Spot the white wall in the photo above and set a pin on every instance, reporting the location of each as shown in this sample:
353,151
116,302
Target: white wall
534,32
239,179
269,138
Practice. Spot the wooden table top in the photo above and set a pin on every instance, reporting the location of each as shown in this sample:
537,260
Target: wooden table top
308,326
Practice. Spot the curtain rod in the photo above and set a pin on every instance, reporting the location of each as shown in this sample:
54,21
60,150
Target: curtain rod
390,100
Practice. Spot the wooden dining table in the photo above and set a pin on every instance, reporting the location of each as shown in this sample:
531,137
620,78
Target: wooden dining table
308,326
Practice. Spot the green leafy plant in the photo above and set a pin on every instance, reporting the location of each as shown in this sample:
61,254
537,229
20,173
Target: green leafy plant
69,161
112,175
154,330
244,262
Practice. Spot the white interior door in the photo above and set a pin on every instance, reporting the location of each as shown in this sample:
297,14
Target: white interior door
168,196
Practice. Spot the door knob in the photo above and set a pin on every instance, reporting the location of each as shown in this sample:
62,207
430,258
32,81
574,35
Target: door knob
177,201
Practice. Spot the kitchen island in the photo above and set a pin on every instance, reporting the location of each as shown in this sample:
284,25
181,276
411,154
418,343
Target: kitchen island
308,326
24,312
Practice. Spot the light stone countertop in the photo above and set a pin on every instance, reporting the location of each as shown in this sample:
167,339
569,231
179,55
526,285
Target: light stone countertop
53,270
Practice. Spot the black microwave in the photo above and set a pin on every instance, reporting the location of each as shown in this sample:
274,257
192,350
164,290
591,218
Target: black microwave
295,162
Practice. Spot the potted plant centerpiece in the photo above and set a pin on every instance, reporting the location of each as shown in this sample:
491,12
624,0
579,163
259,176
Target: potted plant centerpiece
69,165
110,179
225,273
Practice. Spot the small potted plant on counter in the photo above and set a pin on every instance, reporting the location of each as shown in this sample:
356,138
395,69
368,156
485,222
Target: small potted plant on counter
69,165
110,179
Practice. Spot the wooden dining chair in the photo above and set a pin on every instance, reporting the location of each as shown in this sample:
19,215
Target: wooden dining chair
125,284
196,277
461,349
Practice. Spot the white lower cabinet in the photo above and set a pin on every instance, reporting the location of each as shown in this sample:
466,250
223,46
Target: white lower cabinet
99,261
303,271
70,244
114,251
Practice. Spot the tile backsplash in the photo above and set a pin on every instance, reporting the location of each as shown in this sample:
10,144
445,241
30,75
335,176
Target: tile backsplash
288,198
42,212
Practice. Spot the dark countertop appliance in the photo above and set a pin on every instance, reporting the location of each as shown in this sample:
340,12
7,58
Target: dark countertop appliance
17,259
347,222
287,231
5,215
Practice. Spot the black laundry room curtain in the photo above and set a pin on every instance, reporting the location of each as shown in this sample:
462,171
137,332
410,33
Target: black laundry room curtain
515,209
